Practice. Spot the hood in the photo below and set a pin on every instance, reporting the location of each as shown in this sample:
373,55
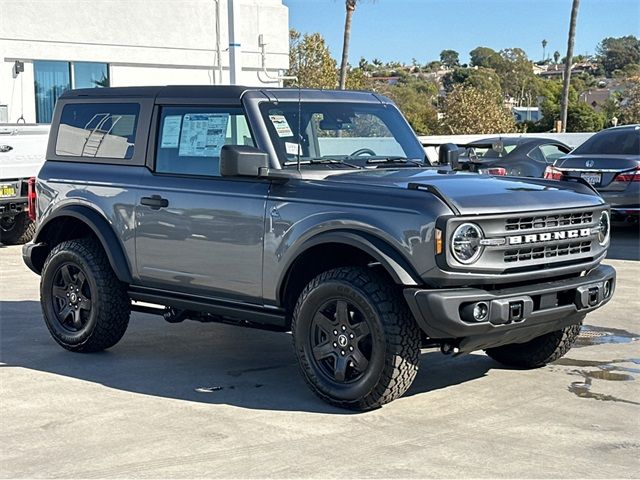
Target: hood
482,194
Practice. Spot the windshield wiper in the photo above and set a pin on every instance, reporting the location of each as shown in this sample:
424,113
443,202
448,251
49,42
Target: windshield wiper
393,160
317,161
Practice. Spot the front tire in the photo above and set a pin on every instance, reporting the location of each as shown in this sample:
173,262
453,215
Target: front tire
357,344
538,352
85,307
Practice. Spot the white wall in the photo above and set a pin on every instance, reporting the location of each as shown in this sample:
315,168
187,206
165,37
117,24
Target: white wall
145,42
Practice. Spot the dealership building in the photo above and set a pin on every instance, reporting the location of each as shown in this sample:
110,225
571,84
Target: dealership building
47,47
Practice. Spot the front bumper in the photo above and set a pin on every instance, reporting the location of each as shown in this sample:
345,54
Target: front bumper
515,315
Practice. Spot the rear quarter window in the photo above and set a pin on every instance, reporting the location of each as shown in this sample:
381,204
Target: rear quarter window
98,130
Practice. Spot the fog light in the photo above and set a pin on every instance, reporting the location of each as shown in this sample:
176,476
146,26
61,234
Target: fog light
480,311
607,289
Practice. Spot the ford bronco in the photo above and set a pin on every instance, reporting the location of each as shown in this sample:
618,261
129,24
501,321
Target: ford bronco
310,212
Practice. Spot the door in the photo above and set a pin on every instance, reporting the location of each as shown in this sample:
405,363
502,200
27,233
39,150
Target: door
197,232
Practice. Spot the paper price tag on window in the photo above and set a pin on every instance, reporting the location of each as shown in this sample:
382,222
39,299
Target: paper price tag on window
171,131
281,125
291,148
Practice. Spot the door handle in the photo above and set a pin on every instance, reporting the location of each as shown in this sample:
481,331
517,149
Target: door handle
155,202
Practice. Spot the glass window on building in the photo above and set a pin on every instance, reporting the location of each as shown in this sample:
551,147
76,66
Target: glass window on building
90,75
52,79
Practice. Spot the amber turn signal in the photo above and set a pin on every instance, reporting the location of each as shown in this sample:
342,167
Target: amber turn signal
438,241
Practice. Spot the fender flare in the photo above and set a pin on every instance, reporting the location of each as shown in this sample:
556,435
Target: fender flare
390,258
102,230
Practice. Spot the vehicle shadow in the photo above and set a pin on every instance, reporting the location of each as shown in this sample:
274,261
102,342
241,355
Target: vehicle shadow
206,363
625,242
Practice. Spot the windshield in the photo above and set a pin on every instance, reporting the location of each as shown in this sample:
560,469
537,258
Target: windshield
353,135
487,152
612,142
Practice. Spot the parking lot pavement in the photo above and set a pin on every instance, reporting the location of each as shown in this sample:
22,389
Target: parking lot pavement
207,400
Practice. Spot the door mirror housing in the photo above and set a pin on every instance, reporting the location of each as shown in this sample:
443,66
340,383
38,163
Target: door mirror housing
243,161
448,154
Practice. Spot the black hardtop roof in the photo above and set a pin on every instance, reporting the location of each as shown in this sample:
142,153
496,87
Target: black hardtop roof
227,92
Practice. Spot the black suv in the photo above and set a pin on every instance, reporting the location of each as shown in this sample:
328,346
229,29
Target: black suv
307,211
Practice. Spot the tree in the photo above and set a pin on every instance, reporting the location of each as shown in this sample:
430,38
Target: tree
449,58
484,57
357,80
310,61
482,78
567,64
416,99
556,57
630,103
350,6
469,110
544,49
617,53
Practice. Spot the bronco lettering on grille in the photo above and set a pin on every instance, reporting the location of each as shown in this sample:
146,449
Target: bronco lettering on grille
548,236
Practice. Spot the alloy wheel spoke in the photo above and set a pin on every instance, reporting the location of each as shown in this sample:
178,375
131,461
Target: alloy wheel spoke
77,321
340,371
85,304
320,352
342,312
360,362
65,312
80,279
66,275
324,322
360,330
59,292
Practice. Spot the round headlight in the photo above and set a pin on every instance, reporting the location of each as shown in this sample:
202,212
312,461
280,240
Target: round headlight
604,229
465,243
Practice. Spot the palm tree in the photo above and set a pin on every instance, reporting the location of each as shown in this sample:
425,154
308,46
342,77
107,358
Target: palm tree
351,7
564,106
556,57
544,49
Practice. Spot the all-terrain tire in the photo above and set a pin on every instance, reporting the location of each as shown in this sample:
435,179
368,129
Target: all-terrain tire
537,352
393,339
21,230
106,321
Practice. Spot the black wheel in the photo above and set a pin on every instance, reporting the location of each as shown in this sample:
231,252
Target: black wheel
16,230
537,352
357,344
85,306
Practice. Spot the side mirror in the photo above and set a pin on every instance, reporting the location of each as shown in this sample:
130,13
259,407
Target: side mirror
243,161
448,154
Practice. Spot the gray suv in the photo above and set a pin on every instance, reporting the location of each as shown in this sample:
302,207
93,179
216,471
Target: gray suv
308,211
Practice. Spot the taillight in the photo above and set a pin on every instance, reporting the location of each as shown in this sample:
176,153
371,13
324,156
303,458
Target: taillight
552,173
493,171
31,198
633,176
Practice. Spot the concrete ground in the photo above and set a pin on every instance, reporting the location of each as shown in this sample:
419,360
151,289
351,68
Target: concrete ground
207,400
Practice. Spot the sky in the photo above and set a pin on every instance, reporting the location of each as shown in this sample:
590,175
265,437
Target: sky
405,29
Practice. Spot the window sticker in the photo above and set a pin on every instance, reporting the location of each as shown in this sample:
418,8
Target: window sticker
203,134
291,148
281,125
171,131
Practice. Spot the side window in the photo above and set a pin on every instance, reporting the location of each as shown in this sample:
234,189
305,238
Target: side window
536,154
98,130
190,138
553,152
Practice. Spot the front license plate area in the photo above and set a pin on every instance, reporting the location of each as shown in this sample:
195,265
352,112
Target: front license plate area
7,191
593,178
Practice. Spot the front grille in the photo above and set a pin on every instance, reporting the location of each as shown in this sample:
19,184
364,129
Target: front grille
548,221
546,252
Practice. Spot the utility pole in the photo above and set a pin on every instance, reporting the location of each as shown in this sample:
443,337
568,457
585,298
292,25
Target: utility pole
235,60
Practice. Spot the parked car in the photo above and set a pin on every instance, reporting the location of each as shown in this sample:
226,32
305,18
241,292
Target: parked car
610,161
22,151
306,211
515,156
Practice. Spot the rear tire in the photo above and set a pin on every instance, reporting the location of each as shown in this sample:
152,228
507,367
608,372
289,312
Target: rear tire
18,231
357,344
85,307
537,352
